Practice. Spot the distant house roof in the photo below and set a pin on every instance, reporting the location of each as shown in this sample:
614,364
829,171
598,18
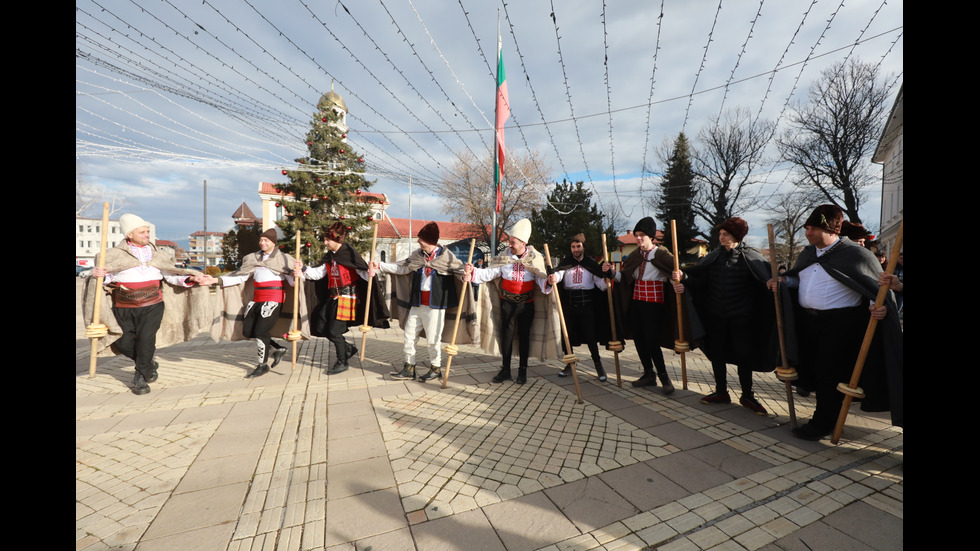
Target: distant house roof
200,233
165,243
395,228
243,213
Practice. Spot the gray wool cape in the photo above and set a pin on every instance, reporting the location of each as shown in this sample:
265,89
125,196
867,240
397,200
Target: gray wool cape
186,313
230,309
444,263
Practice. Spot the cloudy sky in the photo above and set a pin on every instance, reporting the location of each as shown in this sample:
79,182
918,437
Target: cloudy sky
172,94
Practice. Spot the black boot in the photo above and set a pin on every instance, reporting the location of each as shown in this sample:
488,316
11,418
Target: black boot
139,384
153,375
434,373
503,375
407,372
277,355
600,372
665,380
521,375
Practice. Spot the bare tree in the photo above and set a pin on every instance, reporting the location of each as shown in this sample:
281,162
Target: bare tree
88,195
832,136
731,149
787,212
468,188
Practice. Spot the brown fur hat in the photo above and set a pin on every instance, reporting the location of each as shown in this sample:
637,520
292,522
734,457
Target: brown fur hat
737,227
430,233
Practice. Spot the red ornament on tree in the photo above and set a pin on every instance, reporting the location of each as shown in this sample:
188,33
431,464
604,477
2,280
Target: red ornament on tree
343,135
278,205
308,244
360,160
306,212
284,172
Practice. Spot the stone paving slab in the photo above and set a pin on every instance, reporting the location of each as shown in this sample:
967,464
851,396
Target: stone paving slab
298,459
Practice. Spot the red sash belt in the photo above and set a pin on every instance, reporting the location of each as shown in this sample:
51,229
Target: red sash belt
269,291
137,294
649,291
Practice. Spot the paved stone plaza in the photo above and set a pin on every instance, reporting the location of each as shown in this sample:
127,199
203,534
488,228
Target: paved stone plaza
297,459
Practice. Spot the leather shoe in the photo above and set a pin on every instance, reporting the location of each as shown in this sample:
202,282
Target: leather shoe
139,385
277,355
260,370
565,372
521,376
434,373
665,380
351,352
503,375
648,379
811,432
338,368
153,376
407,372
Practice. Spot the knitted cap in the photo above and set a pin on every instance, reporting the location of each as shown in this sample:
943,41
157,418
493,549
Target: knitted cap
646,225
272,234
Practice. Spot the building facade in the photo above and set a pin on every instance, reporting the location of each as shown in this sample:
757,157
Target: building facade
88,238
890,153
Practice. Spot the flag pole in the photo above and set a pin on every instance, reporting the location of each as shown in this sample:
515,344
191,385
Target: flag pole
496,141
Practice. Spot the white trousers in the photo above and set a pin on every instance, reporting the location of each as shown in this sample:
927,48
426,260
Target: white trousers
432,321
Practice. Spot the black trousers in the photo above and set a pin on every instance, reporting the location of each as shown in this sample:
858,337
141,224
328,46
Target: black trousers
647,320
259,319
731,338
139,339
829,342
515,319
580,322
335,330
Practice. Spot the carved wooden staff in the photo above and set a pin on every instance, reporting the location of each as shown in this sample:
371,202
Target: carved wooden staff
784,372
451,348
680,345
615,345
295,334
367,300
852,391
569,359
96,330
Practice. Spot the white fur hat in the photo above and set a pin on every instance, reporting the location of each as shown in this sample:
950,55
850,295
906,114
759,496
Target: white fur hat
521,230
129,222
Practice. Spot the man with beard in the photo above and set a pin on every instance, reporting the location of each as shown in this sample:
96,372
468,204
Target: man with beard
828,292
732,311
582,289
519,295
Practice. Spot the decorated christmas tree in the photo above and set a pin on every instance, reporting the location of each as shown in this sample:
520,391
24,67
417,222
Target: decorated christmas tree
327,186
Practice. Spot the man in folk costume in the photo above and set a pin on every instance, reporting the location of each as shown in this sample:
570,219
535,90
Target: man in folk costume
134,271
520,294
424,288
827,294
732,315
643,295
341,280
582,289
269,272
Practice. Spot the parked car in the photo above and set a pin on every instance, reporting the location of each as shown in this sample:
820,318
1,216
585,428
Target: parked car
82,271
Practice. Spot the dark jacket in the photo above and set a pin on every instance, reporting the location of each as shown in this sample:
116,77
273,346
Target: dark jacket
377,317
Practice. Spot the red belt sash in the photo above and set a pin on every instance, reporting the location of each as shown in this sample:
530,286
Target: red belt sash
137,294
269,291
649,291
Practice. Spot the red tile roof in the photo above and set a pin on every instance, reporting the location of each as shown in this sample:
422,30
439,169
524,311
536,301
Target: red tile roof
393,228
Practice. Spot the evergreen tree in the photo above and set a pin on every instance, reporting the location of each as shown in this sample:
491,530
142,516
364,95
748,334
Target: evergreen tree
676,196
326,187
569,211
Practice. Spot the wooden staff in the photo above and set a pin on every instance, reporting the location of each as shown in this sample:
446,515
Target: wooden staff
367,300
96,330
853,391
451,348
784,372
680,345
569,359
615,345
295,335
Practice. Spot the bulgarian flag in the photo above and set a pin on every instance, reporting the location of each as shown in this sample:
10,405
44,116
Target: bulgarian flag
503,113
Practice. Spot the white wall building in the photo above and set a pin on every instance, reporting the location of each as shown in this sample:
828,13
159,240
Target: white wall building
890,152
88,238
